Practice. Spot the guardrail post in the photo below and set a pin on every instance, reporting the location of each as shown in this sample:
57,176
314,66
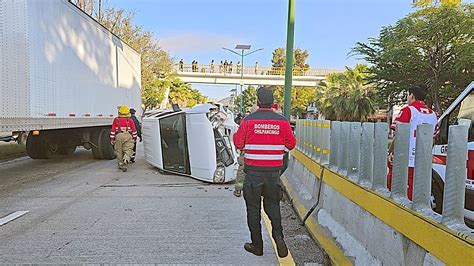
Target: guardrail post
308,139
455,181
344,148
353,151
400,164
305,136
314,139
380,158
325,140
367,155
297,134
319,131
334,143
423,166
311,140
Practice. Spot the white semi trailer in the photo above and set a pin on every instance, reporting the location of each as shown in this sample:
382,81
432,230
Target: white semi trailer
62,77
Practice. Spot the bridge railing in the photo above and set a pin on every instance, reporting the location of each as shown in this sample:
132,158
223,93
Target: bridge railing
358,152
252,70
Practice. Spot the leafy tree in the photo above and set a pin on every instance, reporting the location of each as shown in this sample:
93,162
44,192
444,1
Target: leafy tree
346,96
301,97
182,94
279,61
249,99
432,46
426,3
156,63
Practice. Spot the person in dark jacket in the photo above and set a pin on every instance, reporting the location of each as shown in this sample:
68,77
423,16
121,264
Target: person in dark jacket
139,133
264,136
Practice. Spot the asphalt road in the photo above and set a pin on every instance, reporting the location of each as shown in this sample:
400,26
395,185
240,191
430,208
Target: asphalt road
83,210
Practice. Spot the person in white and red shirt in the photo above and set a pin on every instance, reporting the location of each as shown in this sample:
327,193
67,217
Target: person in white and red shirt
415,113
264,136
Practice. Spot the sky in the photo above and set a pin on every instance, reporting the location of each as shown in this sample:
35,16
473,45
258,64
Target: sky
328,29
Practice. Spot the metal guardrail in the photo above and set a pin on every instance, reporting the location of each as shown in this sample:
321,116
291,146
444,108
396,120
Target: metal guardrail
358,151
252,70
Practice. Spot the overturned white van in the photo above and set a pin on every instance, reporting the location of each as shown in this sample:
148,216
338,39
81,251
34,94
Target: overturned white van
194,142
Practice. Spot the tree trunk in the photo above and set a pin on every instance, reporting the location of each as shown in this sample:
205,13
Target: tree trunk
435,97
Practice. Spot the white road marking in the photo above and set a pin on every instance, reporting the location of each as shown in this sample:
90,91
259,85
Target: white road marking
12,217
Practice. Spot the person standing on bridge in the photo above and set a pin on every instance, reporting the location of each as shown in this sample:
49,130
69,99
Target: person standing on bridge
122,136
226,66
139,133
212,66
238,67
181,65
264,136
415,113
221,65
256,67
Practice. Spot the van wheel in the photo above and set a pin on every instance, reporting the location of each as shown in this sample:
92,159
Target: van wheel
437,190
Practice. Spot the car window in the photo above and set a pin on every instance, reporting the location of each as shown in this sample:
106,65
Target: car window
174,144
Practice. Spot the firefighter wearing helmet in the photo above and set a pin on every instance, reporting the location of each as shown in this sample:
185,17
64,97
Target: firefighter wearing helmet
123,136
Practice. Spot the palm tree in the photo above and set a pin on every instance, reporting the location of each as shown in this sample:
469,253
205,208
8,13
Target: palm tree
346,96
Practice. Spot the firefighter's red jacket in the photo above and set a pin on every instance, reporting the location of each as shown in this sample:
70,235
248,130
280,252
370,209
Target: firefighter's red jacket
264,136
122,124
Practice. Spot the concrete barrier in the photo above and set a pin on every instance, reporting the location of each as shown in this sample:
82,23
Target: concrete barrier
357,221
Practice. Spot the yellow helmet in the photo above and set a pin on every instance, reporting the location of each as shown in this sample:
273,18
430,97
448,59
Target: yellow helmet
124,111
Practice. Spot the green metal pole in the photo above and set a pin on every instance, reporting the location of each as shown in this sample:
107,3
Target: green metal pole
290,37
241,81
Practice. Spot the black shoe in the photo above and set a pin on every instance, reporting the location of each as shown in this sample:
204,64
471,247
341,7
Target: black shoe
132,160
249,247
281,247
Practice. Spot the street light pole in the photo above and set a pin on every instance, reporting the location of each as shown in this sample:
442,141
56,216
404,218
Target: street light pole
242,55
241,83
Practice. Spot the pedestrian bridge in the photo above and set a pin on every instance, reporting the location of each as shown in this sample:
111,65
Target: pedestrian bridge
252,75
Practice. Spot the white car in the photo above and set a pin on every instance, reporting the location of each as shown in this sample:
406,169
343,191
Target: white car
194,142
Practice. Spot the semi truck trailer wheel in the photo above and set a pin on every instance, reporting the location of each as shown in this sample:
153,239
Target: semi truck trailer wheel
36,147
104,150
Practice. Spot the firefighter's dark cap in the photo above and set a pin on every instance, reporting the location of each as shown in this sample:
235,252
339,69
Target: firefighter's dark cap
265,95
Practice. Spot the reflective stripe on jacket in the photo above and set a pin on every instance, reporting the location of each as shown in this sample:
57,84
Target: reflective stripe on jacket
122,124
264,136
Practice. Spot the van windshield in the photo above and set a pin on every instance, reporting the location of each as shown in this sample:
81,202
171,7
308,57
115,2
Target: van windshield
467,108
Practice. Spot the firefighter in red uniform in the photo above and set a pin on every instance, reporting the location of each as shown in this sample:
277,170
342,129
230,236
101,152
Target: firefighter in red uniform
264,136
415,113
123,136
